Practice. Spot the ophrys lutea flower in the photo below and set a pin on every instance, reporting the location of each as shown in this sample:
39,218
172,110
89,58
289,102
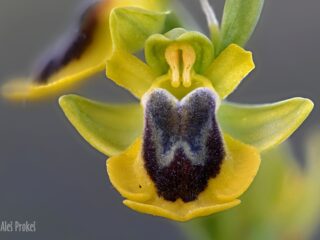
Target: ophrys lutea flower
194,153
184,152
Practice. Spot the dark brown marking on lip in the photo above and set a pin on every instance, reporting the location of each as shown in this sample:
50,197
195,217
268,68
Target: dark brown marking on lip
193,122
74,47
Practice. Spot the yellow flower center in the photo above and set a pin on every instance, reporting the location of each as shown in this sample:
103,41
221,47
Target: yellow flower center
181,58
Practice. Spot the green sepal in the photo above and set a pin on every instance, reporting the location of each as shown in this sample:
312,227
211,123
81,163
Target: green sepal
264,126
130,27
239,21
157,44
109,128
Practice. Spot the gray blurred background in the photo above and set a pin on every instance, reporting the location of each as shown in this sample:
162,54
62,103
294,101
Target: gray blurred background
50,175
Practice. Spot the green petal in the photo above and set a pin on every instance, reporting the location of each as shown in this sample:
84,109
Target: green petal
110,128
157,44
130,27
229,69
129,72
239,21
264,126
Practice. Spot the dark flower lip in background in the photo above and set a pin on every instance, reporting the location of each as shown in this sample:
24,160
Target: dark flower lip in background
284,65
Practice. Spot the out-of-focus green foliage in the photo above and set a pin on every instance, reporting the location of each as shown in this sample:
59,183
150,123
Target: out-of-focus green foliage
239,21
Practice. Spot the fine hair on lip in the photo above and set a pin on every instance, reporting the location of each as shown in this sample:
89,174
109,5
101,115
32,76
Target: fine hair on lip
183,147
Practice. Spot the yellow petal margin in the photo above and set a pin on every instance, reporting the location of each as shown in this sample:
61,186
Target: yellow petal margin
79,59
129,177
229,68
